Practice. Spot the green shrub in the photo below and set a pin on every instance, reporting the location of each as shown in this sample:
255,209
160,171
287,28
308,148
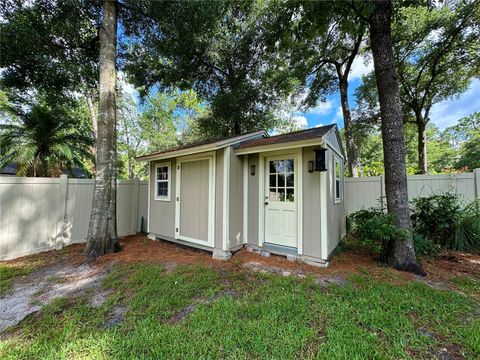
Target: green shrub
443,220
467,232
374,229
434,217
425,247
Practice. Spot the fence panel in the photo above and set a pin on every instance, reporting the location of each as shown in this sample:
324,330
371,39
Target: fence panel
40,214
365,192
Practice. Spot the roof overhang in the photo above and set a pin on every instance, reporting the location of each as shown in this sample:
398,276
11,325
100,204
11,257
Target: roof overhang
280,146
201,148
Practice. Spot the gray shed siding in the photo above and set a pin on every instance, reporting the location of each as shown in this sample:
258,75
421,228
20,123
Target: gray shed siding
235,223
311,208
335,212
162,213
252,213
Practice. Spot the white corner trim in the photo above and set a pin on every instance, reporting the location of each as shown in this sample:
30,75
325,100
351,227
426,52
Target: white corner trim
168,164
226,198
245,199
148,195
299,191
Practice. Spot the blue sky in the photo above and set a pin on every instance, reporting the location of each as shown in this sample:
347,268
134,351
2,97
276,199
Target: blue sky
443,114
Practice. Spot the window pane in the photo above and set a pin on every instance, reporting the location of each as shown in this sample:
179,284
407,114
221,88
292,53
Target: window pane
281,194
272,167
272,195
289,165
280,166
337,189
162,173
290,179
290,195
162,188
273,181
281,180
337,170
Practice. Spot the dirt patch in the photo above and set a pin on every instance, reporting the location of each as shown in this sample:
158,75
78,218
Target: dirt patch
185,312
324,280
115,316
39,288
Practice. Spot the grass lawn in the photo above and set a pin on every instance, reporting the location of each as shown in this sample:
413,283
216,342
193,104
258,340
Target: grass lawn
198,312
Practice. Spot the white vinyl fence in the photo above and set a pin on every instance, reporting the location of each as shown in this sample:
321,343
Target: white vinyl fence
365,192
40,214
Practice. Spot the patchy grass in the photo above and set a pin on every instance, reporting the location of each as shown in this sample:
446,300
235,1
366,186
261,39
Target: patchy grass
8,273
260,316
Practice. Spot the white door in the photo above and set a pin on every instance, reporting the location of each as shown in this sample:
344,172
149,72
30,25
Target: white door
280,201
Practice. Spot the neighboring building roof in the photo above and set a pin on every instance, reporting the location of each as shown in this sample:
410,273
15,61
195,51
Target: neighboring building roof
200,146
313,133
76,172
10,169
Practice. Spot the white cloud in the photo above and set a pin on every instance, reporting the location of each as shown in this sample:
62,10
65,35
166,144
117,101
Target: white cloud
362,65
322,108
299,121
448,112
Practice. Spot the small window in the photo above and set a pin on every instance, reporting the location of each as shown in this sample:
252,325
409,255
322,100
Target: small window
162,182
338,182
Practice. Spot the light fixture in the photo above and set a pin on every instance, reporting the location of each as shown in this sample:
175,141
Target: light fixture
252,170
311,165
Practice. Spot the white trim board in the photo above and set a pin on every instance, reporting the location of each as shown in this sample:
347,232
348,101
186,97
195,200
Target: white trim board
245,198
281,146
201,148
226,199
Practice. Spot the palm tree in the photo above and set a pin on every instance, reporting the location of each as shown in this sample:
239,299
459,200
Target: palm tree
47,139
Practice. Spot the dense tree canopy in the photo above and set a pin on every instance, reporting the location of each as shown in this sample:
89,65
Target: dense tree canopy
220,50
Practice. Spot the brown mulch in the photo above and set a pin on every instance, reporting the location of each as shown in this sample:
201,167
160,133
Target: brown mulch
140,249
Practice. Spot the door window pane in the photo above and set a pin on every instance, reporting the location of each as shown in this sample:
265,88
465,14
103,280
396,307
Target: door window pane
272,195
290,195
281,194
281,180
273,181
289,165
290,180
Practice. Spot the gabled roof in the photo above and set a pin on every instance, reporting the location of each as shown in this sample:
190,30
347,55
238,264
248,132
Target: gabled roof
313,133
202,146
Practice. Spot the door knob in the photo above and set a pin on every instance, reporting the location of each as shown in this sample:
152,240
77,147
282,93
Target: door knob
266,202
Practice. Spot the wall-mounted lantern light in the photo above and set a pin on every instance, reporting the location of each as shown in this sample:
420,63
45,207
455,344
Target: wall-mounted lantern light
320,159
252,170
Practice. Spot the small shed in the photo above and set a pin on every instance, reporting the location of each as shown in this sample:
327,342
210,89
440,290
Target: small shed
281,194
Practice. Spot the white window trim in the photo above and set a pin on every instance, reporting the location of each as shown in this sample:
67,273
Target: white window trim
338,200
169,181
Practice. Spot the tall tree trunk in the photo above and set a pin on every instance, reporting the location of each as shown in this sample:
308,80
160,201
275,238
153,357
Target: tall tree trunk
102,232
400,254
352,157
422,144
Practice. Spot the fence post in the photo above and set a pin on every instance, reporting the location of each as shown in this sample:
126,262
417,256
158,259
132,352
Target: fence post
136,189
62,207
476,180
